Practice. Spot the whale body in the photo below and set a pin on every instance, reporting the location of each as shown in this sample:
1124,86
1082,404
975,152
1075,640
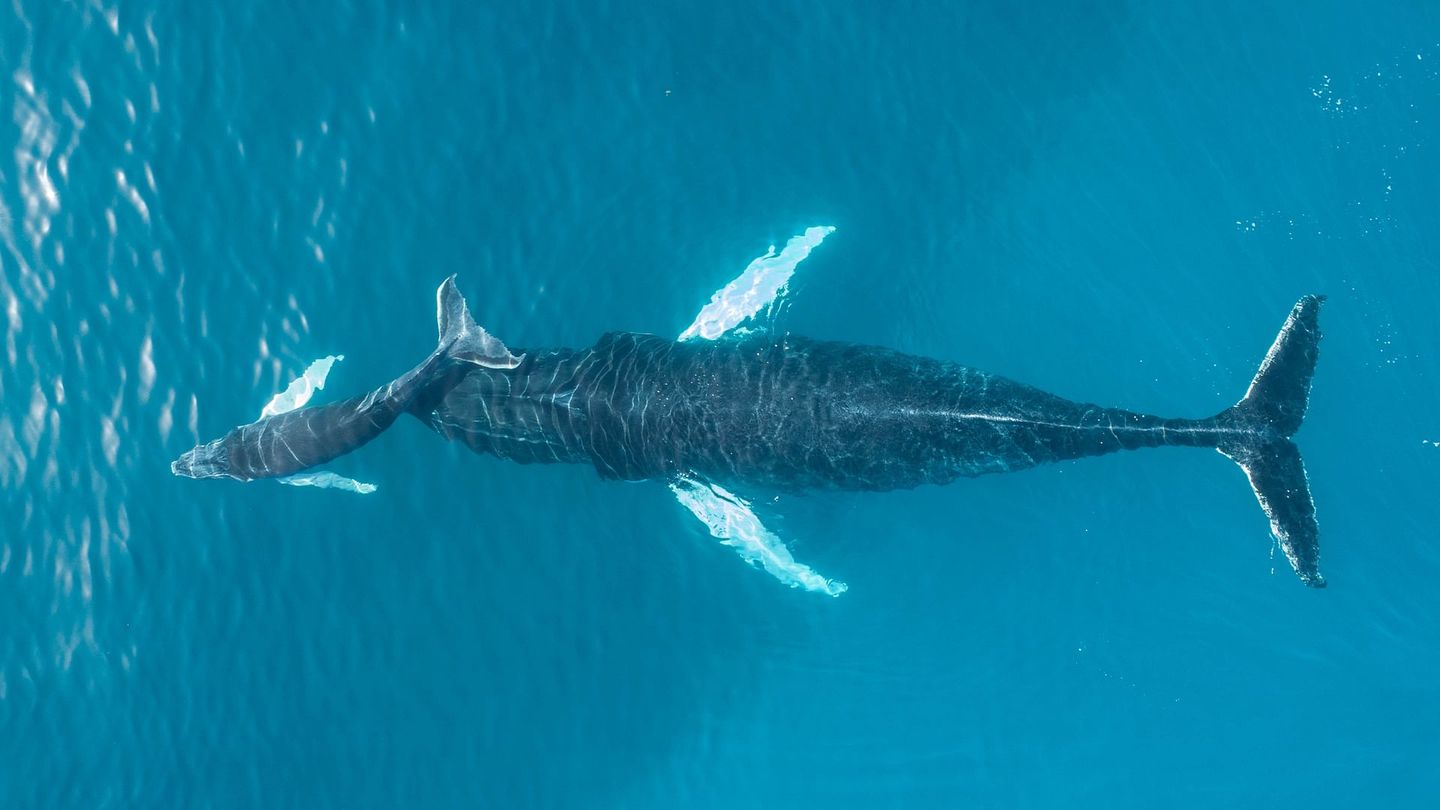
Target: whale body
782,412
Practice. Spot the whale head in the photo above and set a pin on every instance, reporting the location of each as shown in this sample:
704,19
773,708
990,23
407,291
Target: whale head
209,460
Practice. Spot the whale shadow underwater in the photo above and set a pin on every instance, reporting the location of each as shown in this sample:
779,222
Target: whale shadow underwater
761,410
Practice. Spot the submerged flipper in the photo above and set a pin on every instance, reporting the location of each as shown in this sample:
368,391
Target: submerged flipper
1265,419
728,517
328,480
731,521
295,395
302,388
756,288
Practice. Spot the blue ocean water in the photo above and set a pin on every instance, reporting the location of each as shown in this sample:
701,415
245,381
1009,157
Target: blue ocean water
1118,203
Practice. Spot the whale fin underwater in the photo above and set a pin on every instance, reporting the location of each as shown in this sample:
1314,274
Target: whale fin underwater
295,395
726,516
725,409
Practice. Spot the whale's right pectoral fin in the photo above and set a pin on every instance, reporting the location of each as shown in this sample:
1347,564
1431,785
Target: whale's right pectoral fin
757,288
731,521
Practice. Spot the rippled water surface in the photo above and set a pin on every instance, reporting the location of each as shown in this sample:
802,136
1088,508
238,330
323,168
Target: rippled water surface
1118,204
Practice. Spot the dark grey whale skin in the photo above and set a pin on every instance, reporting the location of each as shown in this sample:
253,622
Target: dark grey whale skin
789,414
780,412
292,442
287,443
793,413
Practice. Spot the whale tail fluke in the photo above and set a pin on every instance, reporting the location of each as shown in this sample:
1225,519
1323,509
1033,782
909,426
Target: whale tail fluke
1270,413
461,338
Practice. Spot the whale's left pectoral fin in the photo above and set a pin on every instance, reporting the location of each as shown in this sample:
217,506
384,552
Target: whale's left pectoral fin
732,522
328,480
755,289
302,388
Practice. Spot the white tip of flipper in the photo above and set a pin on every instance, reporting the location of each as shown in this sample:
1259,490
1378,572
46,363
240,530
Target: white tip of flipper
302,388
731,521
756,288
328,480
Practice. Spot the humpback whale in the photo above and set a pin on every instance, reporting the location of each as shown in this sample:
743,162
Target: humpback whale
755,410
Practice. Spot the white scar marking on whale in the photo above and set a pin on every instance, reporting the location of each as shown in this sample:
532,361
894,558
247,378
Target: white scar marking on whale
731,521
302,388
1020,420
756,288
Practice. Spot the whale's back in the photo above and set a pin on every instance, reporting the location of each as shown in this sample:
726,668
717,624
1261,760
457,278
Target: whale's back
796,413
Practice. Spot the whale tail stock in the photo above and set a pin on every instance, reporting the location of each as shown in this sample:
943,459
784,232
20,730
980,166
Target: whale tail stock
1263,422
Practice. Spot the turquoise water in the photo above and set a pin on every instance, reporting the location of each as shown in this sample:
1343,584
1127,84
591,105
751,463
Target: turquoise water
1118,204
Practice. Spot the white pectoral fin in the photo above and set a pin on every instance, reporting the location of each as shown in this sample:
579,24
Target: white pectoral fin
328,480
731,521
295,395
756,288
299,391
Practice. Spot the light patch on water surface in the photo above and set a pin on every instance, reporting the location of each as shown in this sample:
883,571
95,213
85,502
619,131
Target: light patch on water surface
38,134
731,521
109,440
166,421
147,368
132,196
66,528
762,282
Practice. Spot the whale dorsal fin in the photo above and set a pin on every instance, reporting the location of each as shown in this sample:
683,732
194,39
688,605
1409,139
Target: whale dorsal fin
755,289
